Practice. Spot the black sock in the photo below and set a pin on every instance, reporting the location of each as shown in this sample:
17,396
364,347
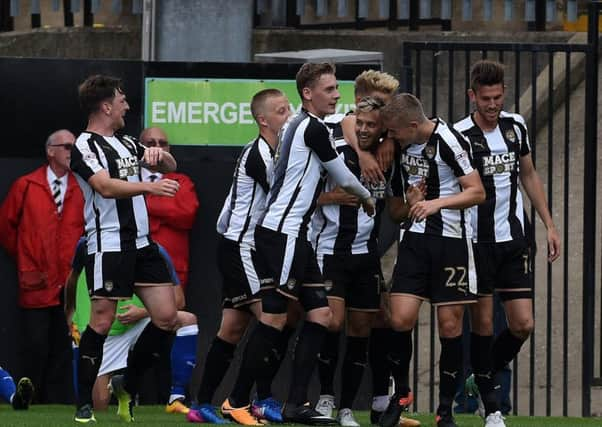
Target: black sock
216,365
307,347
354,363
379,348
327,362
258,361
90,358
264,383
450,372
152,344
481,360
505,348
400,357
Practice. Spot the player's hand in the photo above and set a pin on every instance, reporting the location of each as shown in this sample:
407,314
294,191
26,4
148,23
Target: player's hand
422,209
416,193
369,206
553,244
153,156
131,314
385,152
370,168
341,197
164,187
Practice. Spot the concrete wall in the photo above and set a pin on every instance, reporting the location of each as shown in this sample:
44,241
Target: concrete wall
120,43
203,31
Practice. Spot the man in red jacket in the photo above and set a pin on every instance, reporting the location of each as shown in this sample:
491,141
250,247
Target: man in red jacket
41,220
171,218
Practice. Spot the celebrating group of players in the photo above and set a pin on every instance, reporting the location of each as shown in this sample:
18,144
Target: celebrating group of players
298,238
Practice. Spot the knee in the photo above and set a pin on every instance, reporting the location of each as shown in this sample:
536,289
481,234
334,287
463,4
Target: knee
231,333
322,316
401,323
167,323
335,322
482,325
522,328
450,328
186,318
102,326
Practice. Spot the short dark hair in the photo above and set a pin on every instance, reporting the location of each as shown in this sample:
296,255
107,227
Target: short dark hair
486,73
258,100
98,88
310,73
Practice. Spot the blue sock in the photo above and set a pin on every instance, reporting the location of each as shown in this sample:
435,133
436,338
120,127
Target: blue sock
183,359
7,386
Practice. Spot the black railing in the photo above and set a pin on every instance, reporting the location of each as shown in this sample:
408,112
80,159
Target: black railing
438,73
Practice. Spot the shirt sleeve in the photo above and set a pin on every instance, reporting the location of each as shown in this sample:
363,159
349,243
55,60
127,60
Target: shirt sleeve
84,160
318,138
342,175
456,154
525,145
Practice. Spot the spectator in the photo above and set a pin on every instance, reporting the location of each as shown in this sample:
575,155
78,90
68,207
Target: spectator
41,220
171,218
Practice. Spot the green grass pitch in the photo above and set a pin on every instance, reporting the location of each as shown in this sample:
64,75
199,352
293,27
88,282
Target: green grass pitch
62,415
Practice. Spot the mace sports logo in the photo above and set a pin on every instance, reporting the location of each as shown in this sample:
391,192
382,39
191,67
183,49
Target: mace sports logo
415,166
499,163
127,166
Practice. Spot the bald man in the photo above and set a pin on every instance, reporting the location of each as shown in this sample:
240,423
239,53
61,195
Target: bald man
171,219
41,220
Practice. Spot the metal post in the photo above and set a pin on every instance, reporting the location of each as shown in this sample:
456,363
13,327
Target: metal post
6,21
148,30
292,19
88,15
414,15
392,23
589,207
68,13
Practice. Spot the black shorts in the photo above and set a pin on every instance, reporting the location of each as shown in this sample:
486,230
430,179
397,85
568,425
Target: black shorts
114,274
288,262
504,267
236,264
435,268
356,279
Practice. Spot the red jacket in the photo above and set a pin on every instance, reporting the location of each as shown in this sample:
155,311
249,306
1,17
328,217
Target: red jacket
171,219
40,240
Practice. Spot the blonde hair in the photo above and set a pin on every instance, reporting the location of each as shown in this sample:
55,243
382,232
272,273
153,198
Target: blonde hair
404,108
369,103
375,81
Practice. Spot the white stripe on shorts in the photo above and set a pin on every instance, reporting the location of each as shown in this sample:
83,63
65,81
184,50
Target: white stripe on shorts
98,278
472,273
289,255
249,267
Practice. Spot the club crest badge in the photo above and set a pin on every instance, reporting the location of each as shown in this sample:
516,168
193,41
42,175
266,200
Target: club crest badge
328,285
511,135
108,285
290,284
429,152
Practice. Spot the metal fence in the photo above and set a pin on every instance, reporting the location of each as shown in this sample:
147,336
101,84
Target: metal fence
541,79
361,14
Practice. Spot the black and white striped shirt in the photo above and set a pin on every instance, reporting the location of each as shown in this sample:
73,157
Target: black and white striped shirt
305,151
440,161
111,224
497,156
337,229
247,195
